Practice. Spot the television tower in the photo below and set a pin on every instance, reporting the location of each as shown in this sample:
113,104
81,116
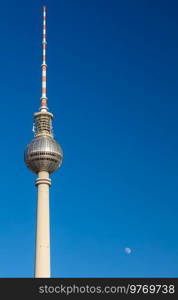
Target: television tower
43,156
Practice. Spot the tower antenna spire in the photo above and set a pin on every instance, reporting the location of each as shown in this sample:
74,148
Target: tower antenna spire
44,65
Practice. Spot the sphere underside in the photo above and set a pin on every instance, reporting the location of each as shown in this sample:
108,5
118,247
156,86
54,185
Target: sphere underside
43,154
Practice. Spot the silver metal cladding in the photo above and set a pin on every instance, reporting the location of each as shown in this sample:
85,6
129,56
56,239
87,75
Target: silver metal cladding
43,154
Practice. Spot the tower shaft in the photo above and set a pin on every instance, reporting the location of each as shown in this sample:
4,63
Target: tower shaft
42,261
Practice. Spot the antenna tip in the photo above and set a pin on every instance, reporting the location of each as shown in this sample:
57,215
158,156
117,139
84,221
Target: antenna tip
44,8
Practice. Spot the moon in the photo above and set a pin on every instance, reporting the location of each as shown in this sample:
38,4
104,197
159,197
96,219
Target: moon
128,250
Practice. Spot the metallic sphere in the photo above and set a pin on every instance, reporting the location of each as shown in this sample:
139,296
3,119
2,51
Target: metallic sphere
43,154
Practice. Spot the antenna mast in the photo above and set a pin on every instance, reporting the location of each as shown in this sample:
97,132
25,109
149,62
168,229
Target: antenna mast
44,65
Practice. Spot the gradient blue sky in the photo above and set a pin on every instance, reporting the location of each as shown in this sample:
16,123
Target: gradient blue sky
112,86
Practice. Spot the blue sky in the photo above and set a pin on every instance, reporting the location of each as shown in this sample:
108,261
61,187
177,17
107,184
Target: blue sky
112,86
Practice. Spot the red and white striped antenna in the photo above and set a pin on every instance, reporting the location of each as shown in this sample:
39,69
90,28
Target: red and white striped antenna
44,65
